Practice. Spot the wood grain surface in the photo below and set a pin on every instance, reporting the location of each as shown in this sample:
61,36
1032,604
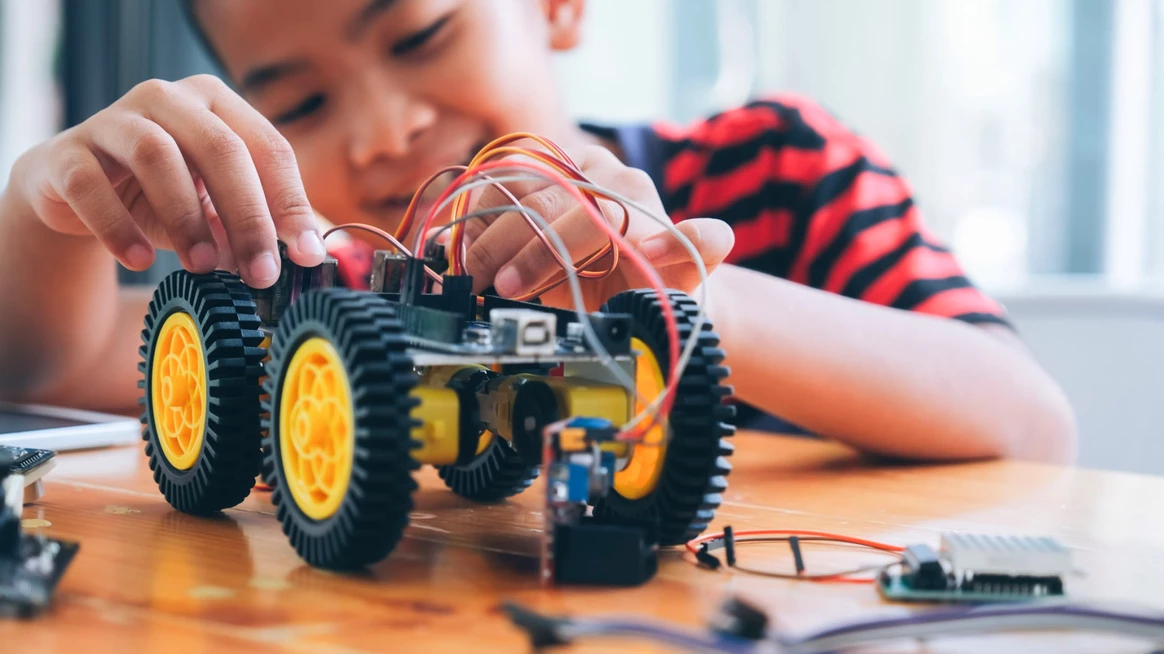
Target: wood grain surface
149,579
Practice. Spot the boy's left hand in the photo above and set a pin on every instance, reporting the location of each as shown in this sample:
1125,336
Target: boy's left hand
505,250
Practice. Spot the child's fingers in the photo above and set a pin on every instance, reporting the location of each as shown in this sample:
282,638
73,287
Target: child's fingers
277,169
79,179
226,166
226,259
152,156
535,264
713,239
494,245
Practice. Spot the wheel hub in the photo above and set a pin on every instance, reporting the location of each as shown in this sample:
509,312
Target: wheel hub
178,377
317,428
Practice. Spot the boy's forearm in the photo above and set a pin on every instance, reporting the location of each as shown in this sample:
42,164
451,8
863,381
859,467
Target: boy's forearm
883,380
58,300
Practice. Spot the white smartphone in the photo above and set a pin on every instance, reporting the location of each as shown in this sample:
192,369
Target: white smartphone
54,428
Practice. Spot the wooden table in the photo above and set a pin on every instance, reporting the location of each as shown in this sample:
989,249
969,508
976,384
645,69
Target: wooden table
150,579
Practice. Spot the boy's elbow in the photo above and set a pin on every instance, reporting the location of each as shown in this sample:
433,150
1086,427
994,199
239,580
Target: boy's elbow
1045,428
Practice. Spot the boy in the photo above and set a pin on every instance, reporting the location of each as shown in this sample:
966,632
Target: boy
839,312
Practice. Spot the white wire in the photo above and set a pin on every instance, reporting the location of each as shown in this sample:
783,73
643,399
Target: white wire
701,317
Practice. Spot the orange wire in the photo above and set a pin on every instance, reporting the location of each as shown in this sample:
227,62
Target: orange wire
410,212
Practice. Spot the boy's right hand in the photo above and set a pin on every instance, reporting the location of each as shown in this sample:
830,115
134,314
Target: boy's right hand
187,166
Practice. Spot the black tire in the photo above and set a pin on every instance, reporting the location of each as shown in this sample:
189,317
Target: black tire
696,466
496,474
228,327
373,512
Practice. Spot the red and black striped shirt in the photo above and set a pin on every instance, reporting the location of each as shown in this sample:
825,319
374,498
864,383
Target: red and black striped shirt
809,201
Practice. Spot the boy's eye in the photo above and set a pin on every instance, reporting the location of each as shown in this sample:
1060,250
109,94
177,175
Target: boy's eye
415,41
309,106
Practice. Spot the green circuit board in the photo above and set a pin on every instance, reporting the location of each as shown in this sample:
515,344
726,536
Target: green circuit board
895,587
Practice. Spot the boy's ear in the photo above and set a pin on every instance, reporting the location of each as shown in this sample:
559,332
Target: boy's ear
564,18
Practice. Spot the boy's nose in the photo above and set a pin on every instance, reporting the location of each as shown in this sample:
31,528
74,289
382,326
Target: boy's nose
386,125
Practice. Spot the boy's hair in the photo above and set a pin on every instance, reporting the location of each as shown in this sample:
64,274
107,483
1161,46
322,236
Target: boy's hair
187,7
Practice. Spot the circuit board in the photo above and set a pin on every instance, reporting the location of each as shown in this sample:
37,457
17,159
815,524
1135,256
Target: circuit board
897,588
979,569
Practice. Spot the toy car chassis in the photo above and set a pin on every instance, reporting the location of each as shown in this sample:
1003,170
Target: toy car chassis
338,396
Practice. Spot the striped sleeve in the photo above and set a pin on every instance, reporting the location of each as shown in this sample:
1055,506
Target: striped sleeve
815,203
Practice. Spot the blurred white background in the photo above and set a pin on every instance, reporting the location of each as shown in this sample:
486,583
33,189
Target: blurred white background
1032,132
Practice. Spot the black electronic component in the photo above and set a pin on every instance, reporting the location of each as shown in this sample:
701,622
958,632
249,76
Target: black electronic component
30,566
294,280
740,619
729,545
923,568
593,553
433,325
613,331
534,407
704,556
387,271
457,296
414,284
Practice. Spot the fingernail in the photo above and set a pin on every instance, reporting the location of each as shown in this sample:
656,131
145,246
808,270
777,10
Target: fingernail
263,269
138,257
311,243
653,248
203,257
508,281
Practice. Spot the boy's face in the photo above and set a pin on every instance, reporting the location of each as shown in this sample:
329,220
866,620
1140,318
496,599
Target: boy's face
375,95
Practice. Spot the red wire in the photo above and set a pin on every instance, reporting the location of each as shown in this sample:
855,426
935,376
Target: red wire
652,275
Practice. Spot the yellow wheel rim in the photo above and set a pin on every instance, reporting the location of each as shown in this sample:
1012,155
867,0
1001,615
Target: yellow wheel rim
641,474
316,428
178,391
